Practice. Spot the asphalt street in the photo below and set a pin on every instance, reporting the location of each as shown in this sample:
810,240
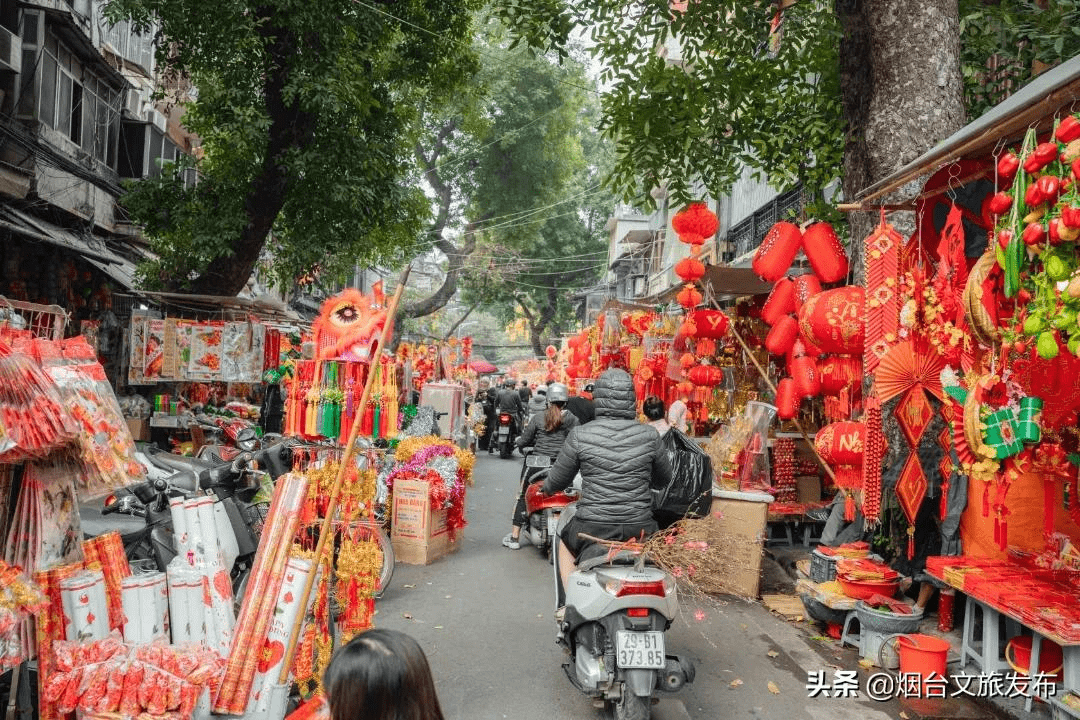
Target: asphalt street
484,616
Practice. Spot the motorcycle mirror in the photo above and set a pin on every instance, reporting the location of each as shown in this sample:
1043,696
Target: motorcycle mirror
247,440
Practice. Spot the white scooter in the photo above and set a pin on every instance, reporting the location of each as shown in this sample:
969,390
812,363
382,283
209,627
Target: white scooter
616,612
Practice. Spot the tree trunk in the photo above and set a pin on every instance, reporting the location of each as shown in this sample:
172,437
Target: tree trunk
290,127
902,93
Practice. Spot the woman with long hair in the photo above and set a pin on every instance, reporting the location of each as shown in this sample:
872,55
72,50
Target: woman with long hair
545,433
381,675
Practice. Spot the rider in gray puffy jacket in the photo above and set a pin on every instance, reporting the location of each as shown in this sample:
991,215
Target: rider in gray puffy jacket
619,459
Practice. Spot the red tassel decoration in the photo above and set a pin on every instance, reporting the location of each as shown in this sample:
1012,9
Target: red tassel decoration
997,530
911,542
986,501
849,508
943,509
1004,544
1048,505
367,423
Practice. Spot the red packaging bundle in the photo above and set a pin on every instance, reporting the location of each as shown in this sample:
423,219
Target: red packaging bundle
33,418
107,551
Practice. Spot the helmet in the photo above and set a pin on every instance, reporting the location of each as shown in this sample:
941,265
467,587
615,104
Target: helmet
557,392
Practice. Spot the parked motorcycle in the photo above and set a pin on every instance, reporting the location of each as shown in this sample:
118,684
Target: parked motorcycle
617,609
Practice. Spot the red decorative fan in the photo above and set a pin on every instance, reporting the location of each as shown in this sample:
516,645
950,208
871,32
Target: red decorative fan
904,368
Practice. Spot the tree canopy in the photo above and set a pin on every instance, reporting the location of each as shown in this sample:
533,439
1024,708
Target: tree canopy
307,114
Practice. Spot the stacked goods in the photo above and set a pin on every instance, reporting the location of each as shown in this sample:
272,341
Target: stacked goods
784,470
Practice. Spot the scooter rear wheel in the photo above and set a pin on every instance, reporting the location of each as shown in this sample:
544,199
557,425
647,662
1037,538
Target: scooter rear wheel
631,707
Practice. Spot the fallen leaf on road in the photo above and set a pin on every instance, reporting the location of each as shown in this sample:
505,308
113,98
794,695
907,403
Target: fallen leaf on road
438,627
866,663
904,715
408,586
736,682
447,597
407,616
774,688
773,653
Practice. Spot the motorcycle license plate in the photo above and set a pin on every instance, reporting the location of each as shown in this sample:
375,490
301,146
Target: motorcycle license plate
639,649
504,432
538,461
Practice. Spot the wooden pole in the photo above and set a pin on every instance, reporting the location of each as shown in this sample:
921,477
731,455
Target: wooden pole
798,425
335,491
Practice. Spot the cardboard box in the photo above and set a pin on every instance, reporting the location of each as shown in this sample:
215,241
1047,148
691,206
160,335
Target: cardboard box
418,531
745,520
140,428
808,489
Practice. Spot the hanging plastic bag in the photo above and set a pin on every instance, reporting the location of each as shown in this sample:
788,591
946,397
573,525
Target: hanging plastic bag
689,494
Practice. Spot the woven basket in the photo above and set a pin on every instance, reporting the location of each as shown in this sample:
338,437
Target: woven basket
982,325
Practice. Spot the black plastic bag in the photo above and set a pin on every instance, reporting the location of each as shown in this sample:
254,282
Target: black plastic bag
690,492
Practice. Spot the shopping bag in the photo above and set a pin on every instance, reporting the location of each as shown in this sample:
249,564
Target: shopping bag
689,494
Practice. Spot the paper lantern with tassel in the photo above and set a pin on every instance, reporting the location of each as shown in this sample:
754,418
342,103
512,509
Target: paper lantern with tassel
690,269
804,371
782,337
787,400
705,347
806,287
687,361
689,297
706,375
710,323
781,301
825,253
839,373
697,219
688,328
841,445
773,257
834,320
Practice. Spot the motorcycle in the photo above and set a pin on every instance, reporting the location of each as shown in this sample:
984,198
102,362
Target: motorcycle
543,510
617,607
505,433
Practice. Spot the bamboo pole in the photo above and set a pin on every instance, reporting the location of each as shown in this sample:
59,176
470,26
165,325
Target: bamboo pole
798,425
335,491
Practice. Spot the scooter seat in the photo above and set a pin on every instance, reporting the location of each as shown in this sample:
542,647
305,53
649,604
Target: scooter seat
588,561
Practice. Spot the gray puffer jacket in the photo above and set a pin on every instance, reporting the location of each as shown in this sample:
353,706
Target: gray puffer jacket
544,442
619,458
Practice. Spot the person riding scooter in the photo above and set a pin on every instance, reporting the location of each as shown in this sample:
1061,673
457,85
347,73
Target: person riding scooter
545,433
618,458
510,403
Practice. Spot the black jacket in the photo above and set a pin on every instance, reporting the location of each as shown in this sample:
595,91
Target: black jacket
619,458
510,402
581,407
544,442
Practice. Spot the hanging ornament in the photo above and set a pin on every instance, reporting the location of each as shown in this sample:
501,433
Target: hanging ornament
781,338
781,301
787,400
777,250
710,323
834,320
806,287
696,220
690,269
841,445
804,371
706,375
550,351
689,297
825,253
687,361
839,373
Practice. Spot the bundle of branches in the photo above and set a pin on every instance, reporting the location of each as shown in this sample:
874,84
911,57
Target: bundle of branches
703,556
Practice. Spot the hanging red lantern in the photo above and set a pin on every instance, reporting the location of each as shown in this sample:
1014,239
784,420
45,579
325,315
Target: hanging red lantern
692,239
690,269
787,400
684,387
782,337
689,297
781,301
706,347
804,371
696,219
773,257
688,328
834,320
841,446
839,373
550,351
706,375
710,323
687,361
806,287
825,253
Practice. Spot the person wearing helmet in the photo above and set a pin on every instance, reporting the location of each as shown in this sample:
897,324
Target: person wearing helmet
545,433
619,459
582,405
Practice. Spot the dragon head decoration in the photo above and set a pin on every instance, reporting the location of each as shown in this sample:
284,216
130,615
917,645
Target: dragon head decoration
349,325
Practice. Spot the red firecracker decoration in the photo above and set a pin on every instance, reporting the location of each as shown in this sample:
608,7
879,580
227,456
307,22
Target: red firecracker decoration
706,375
710,323
804,371
689,297
697,219
806,287
781,301
834,320
873,456
781,338
825,253
690,269
777,250
787,400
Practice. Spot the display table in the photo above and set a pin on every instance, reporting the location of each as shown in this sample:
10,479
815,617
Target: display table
1043,601
790,518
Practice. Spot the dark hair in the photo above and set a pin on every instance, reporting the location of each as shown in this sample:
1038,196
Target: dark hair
381,675
553,416
653,407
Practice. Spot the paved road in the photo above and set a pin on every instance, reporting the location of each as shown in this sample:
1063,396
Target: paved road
484,618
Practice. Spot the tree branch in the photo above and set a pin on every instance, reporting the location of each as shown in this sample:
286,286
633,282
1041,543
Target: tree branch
460,320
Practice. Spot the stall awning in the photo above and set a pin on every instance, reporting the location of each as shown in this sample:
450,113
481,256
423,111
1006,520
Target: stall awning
263,308
724,281
35,228
1034,105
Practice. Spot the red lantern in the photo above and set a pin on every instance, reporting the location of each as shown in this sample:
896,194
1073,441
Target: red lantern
804,371
840,372
841,446
833,320
782,336
690,269
688,328
706,375
696,219
710,323
706,347
787,400
825,253
550,351
692,239
806,287
689,297
687,361
777,250
780,303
